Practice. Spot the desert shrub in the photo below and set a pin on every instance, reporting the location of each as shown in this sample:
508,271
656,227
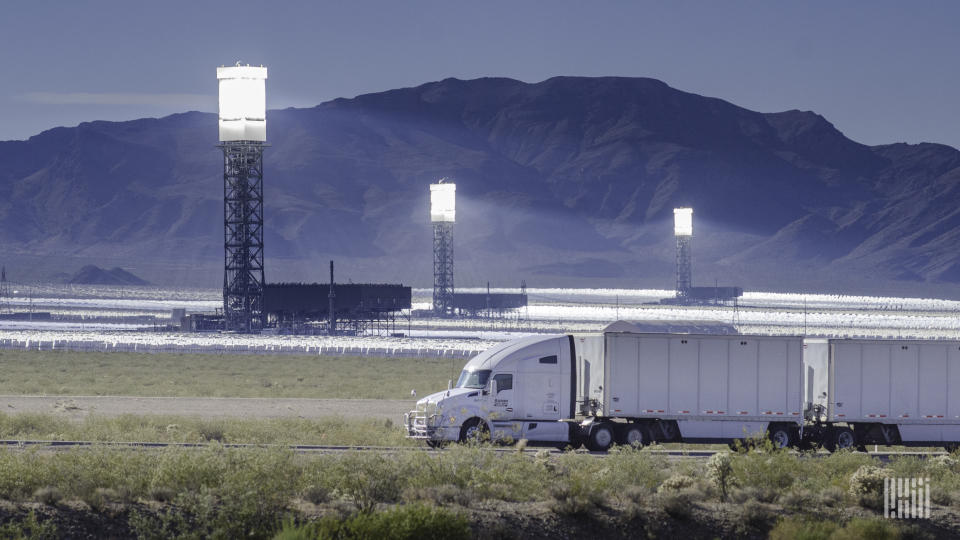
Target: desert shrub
247,500
754,442
48,495
798,500
774,470
754,515
866,485
572,498
752,493
796,528
212,430
832,497
907,467
867,529
940,496
99,498
820,474
626,466
677,482
30,528
408,522
442,495
720,472
367,479
315,493
161,494
677,504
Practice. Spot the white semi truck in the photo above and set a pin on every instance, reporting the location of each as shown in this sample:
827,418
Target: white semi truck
629,386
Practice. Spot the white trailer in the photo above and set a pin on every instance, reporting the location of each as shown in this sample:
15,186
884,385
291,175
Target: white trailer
695,388
623,385
887,392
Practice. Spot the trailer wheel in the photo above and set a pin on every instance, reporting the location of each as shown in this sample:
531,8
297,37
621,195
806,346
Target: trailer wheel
474,430
600,438
840,438
781,436
635,435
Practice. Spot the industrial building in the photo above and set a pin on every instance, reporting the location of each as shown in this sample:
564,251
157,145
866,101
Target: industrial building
357,307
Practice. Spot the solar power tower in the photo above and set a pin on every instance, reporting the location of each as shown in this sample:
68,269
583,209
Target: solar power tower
243,135
442,214
683,230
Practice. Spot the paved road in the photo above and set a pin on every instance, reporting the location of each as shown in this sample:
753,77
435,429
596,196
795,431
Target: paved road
81,406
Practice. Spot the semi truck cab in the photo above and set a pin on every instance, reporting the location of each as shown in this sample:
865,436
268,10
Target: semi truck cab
522,389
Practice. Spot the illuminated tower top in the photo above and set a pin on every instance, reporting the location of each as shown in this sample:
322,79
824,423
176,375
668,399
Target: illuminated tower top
443,202
683,221
243,103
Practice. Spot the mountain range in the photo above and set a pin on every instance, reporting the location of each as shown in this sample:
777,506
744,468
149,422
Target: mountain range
570,182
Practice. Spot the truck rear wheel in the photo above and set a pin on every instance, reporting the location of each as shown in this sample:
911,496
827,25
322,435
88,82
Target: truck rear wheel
635,435
840,438
600,438
782,436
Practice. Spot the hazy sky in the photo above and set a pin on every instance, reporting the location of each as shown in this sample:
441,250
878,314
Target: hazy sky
881,71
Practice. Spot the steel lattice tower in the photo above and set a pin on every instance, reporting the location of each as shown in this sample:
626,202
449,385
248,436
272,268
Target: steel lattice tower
443,269
243,134
684,267
243,277
683,230
4,292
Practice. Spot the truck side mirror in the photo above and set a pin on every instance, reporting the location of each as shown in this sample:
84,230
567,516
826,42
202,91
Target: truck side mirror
449,384
493,387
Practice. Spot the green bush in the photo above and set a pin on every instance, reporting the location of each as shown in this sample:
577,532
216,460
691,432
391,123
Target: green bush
677,482
796,528
677,504
770,470
720,472
409,522
30,528
867,529
866,485
754,515
574,498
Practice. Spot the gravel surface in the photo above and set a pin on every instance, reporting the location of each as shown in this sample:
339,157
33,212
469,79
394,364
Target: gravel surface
81,406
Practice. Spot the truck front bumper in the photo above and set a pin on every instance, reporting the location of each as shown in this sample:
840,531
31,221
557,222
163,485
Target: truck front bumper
428,428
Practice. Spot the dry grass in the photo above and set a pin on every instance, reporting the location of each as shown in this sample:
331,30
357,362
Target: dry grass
208,375
184,429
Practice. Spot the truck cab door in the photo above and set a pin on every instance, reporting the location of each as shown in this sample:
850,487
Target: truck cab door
542,397
502,408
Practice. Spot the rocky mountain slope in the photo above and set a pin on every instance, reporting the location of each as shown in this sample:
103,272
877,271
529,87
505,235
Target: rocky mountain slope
567,182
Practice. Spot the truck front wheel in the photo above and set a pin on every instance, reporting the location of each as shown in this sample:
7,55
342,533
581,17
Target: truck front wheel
600,438
474,430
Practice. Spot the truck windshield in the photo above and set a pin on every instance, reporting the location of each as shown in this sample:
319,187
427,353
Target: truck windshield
473,379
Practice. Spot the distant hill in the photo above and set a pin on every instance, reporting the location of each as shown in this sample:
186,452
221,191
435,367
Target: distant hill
566,182
94,275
